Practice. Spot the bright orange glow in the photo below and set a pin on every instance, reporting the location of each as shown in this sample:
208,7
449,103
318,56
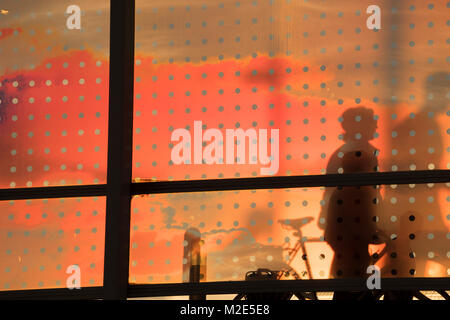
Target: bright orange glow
41,238
299,75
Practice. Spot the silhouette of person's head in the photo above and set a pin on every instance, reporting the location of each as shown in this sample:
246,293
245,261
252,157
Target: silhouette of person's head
437,91
359,124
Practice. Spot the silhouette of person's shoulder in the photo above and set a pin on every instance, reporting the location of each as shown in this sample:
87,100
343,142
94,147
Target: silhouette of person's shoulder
353,158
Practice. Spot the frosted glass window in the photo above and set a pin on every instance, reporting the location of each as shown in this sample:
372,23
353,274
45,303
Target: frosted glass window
314,71
43,241
313,233
53,93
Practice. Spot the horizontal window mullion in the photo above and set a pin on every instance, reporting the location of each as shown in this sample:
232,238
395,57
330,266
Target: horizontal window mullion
53,192
331,180
315,285
53,294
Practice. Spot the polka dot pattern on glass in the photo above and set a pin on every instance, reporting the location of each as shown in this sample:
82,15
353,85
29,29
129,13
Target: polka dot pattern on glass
267,65
241,231
53,96
42,238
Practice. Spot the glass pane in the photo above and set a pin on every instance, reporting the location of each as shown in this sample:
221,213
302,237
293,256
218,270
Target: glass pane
316,233
47,243
53,92
314,71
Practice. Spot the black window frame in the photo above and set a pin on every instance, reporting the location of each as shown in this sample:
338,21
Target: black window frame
119,190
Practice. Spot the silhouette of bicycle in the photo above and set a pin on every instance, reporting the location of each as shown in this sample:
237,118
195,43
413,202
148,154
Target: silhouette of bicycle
289,272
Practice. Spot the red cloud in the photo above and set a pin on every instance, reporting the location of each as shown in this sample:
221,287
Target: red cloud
6,32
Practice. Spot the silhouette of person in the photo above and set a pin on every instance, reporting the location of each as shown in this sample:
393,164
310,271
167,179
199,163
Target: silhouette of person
399,258
417,144
350,212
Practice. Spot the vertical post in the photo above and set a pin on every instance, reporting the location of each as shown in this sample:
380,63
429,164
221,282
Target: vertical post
120,141
194,268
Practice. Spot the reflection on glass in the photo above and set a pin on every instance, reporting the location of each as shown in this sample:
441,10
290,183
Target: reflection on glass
53,93
41,239
350,211
312,233
294,66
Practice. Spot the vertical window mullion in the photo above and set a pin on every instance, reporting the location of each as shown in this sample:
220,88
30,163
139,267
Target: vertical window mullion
120,141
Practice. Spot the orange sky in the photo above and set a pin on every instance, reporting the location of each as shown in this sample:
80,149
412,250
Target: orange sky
54,109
